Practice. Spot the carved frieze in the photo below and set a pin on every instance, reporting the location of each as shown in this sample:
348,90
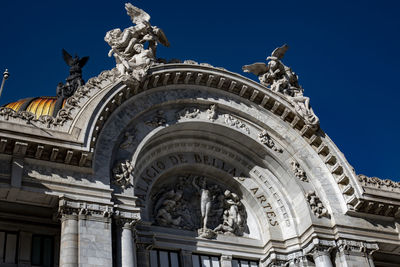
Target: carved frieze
196,203
316,205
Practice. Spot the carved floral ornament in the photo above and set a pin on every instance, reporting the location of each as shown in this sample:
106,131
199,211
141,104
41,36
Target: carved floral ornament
316,205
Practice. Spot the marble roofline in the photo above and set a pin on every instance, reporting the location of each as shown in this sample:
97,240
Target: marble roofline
71,136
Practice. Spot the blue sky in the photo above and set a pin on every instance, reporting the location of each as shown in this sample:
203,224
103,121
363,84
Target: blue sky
346,54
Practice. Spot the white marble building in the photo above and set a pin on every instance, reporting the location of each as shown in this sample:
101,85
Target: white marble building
158,163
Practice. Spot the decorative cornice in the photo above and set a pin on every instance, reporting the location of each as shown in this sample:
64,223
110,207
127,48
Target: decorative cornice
375,182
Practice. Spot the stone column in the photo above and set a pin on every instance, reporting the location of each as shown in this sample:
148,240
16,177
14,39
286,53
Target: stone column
86,238
127,247
322,258
69,241
226,261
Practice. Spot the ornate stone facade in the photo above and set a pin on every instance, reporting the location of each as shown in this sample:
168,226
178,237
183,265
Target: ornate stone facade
177,160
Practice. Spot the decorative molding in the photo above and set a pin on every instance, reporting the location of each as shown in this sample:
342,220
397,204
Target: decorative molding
316,205
376,182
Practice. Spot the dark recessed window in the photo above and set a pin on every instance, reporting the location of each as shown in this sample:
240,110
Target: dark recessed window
164,258
8,247
42,250
205,261
244,263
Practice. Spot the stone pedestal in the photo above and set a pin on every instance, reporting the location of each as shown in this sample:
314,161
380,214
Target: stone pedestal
69,241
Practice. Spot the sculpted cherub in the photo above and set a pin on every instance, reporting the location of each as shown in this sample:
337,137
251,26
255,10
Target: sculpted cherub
281,78
127,46
275,74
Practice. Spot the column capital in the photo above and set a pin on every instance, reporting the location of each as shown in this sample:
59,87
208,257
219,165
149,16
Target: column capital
69,207
319,246
356,247
126,219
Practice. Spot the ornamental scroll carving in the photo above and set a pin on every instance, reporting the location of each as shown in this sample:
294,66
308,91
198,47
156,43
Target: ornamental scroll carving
196,203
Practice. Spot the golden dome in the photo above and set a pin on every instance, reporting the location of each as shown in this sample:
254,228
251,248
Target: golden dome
45,105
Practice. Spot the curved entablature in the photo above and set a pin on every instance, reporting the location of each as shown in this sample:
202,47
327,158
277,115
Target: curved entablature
89,108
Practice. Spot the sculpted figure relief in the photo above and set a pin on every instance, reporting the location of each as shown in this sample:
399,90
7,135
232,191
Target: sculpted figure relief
280,78
128,46
195,203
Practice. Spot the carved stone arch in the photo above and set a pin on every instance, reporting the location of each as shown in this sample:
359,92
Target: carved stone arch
112,92
144,107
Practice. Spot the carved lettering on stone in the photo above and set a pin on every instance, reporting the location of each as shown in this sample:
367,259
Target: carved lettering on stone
298,171
316,205
266,139
122,174
234,122
196,203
